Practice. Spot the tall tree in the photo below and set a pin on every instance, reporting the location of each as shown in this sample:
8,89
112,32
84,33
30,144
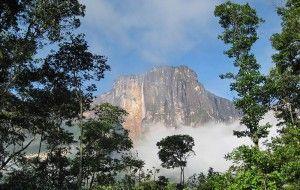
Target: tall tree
76,67
174,151
276,167
25,28
39,95
105,142
240,23
283,80
284,90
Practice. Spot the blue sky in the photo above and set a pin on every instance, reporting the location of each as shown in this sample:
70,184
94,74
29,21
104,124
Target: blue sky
137,35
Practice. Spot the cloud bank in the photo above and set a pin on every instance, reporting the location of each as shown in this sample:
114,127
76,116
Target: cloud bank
212,142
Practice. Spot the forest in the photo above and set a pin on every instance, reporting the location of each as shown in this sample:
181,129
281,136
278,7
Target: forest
48,76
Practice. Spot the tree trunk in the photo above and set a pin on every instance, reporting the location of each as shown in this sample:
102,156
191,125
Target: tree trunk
140,175
182,176
256,144
40,147
291,113
255,141
80,145
92,181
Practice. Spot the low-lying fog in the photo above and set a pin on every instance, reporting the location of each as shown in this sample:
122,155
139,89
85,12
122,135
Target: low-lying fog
212,142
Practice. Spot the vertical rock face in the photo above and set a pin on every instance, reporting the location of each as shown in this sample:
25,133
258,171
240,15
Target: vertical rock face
169,95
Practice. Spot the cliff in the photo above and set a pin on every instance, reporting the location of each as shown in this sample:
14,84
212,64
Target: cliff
168,95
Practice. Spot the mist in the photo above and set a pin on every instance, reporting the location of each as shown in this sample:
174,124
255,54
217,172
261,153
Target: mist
212,142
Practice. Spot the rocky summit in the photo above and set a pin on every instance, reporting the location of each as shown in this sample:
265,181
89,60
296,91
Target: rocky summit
167,95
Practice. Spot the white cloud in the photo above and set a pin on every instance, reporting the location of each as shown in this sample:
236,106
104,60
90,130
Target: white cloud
155,29
212,142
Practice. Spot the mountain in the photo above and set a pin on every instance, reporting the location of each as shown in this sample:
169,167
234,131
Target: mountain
168,95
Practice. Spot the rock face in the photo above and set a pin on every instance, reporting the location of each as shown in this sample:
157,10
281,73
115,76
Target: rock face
168,95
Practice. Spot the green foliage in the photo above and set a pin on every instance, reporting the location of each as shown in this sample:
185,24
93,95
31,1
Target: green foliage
161,184
73,65
146,185
250,179
283,80
170,186
287,41
37,95
104,145
133,170
283,89
174,151
52,172
276,167
240,23
40,95
108,187
213,180
286,155
256,169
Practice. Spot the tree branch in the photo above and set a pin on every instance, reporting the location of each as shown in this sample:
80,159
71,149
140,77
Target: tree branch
15,154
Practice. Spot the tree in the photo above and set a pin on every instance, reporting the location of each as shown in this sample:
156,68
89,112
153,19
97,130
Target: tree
174,151
75,66
240,23
133,170
213,180
276,167
40,91
283,80
50,172
284,90
105,142
162,182
26,27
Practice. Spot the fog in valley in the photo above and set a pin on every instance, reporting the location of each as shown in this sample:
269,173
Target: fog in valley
212,142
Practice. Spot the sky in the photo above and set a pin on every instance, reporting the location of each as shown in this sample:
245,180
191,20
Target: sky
137,35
